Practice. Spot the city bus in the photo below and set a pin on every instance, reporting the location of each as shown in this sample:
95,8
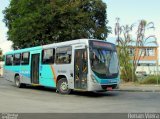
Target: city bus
82,64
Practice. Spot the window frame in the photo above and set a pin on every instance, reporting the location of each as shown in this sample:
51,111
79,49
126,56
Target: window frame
19,63
150,51
56,60
28,61
53,55
6,63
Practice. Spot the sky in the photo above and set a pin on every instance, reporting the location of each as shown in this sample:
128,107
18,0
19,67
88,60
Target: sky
4,44
129,12
132,11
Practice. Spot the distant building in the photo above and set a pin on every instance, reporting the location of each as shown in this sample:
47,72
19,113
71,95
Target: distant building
147,57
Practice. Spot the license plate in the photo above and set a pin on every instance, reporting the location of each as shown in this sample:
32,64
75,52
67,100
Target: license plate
109,88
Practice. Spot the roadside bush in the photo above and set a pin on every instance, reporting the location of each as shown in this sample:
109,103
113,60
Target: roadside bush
2,58
126,76
150,80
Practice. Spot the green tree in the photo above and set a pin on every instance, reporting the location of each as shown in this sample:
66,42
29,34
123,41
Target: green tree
39,22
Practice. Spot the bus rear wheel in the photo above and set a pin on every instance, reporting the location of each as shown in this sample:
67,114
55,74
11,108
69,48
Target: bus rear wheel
17,82
62,86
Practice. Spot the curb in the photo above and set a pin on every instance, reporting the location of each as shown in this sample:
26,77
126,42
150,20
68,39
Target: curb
140,90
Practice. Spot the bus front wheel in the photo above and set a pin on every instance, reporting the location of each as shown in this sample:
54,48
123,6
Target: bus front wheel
62,86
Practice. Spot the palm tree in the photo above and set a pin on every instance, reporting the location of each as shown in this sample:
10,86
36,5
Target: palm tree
125,41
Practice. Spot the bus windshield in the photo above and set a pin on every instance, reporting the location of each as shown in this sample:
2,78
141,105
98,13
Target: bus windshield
104,61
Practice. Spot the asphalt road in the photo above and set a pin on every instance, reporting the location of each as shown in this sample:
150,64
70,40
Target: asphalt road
45,100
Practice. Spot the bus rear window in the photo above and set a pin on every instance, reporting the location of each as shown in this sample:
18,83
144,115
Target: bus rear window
9,60
25,58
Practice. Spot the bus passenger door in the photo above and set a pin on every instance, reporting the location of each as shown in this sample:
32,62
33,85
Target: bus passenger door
80,69
35,68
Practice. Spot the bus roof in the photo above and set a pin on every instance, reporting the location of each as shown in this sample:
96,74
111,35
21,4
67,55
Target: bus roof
55,45
65,43
24,50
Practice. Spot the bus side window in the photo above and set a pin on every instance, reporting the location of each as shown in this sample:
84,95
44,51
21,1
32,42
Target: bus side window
16,59
25,58
9,60
63,55
48,56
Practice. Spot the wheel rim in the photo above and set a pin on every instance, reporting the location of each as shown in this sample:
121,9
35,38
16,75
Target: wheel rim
64,86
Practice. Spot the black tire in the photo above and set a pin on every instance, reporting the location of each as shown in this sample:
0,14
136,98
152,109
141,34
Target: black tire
62,86
18,83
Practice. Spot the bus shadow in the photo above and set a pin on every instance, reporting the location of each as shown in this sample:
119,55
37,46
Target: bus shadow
95,94
73,93
41,88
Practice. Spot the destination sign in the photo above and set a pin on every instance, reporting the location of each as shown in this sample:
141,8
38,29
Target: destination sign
98,44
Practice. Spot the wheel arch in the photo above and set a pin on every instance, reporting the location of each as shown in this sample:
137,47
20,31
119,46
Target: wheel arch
16,74
60,77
